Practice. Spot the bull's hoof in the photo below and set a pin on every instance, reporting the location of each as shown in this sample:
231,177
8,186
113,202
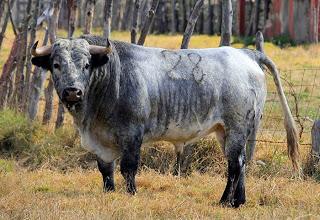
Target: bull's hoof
233,203
107,187
238,202
131,188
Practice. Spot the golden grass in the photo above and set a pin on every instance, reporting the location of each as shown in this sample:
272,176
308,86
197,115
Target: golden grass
271,193
44,194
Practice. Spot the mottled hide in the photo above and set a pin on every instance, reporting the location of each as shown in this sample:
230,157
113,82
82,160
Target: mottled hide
136,94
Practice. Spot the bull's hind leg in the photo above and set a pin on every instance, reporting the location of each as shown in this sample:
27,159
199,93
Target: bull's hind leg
107,172
234,193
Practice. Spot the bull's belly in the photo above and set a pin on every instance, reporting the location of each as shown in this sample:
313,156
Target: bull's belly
186,134
99,144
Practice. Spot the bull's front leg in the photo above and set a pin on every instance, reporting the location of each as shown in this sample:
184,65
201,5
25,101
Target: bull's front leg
130,161
107,172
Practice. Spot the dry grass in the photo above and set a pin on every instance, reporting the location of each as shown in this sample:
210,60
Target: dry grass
45,192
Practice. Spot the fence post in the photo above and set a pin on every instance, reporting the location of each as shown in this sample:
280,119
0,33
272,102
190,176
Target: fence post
315,136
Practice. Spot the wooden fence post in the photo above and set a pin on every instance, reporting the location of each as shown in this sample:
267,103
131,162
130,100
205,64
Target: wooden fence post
315,135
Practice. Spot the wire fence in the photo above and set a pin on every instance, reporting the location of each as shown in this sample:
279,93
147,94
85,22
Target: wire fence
302,88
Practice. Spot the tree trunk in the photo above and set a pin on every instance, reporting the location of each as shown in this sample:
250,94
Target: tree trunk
315,134
89,16
49,103
2,7
135,22
115,18
148,22
60,116
126,20
26,90
181,16
11,19
7,72
53,20
72,15
191,23
226,27
173,16
107,18
80,9
38,79
4,27
52,29
18,95
217,17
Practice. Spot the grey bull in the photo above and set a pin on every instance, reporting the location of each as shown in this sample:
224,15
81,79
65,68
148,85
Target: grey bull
122,95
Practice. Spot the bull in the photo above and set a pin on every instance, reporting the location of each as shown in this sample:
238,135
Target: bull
123,95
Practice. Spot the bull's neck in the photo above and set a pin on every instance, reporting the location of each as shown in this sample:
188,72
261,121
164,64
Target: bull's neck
103,93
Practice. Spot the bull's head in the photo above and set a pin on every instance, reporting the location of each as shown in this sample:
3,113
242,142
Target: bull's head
71,63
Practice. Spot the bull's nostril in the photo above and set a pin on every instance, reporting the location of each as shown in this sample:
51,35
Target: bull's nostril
79,93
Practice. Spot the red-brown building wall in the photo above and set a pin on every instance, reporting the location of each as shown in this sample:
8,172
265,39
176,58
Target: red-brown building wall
299,19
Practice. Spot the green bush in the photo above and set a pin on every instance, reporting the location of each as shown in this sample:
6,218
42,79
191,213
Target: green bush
283,41
16,132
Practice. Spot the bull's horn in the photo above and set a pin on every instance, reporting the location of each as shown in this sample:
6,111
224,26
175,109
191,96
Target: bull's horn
93,49
41,51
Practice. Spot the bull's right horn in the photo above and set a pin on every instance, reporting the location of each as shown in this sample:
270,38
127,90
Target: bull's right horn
93,49
41,51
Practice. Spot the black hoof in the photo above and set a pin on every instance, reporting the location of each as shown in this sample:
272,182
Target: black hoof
108,188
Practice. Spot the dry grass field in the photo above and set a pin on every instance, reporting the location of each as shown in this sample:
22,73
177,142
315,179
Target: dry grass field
48,176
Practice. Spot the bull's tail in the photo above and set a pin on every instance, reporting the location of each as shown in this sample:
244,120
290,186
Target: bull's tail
289,123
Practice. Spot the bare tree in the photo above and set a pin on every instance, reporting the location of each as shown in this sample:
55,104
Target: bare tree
173,16
72,15
48,93
52,28
7,72
191,23
20,78
126,20
107,18
226,27
116,8
135,22
89,16
26,88
2,8
5,24
38,79
148,22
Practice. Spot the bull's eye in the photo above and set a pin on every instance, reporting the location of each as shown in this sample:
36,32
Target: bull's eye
87,66
56,66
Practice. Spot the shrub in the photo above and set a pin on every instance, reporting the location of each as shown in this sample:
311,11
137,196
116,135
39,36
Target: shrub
16,132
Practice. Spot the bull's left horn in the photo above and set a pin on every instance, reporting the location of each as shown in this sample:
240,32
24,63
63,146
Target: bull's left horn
41,51
93,49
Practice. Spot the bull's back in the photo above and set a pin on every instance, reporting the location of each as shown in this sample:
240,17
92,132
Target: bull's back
189,89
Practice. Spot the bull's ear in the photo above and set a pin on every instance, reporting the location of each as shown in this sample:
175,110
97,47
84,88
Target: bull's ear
98,60
42,61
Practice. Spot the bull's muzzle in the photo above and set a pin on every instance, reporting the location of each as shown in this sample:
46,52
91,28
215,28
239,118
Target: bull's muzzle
72,96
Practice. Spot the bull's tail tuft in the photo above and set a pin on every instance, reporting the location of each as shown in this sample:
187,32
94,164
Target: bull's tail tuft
289,123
